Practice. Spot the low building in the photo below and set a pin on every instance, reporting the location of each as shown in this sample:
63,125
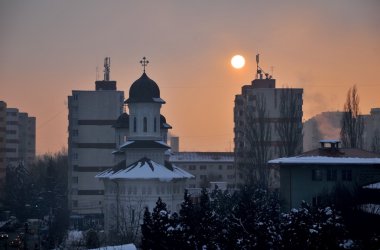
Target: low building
207,167
308,176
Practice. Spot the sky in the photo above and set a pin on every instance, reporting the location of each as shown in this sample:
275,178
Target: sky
49,48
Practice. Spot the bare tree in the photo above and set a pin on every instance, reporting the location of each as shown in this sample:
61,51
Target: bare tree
352,122
289,127
128,218
257,132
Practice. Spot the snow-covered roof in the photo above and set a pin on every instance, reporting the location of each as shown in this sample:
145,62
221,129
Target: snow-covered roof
373,186
146,169
144,144
119,247
202,157
325,160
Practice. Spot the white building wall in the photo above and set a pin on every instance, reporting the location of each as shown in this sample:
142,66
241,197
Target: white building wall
91,142
138,194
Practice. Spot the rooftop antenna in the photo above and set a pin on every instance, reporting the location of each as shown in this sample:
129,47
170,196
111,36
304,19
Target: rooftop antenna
97,73
144,62
107,68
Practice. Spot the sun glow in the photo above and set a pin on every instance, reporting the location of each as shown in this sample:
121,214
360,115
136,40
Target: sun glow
238,61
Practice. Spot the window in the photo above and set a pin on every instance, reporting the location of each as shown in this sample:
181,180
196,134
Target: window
75,132
75,203
220,167
145,123
134,124
202,167
230,167
346,175
203,177
230,177
75,179
331,174
317,175
155,124
191,185
192,167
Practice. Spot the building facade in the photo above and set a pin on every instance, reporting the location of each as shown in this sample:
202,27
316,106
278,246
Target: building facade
207,167
92,113
17,140
267,123
3,165
142,172
371,137
314,174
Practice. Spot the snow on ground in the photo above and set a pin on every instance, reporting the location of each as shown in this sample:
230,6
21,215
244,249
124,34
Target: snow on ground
120,247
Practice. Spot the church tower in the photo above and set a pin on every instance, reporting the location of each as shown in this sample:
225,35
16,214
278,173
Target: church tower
142,133
141,174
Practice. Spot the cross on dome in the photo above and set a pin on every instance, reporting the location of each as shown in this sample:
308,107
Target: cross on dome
144,63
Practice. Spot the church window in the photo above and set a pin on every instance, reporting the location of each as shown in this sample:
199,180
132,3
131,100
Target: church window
155,124
145,124
134,124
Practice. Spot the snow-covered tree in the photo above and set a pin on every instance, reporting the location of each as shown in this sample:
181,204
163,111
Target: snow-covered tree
312,228
187,222
206,229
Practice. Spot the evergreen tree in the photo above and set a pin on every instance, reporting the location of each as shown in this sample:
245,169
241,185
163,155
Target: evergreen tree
187,222
160,224
312,228
146,230
206,229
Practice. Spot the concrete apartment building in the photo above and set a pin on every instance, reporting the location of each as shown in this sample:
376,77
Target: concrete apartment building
263,89
17,139
91,141
3,116
207,167
371,135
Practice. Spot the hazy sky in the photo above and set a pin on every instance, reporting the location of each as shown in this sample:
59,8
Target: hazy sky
48,48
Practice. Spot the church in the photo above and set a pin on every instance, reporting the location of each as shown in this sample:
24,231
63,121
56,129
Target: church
142,172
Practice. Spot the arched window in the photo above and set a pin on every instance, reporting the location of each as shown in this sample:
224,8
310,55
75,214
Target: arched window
155,124
145,124
134,124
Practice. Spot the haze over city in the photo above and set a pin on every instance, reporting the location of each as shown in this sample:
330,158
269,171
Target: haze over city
49,48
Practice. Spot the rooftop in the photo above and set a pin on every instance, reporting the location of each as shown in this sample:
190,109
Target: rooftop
202,156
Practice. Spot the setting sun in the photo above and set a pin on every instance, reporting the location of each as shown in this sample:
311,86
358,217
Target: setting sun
238,61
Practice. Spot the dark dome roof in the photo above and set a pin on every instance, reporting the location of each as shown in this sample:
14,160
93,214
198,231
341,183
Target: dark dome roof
122,121
143,89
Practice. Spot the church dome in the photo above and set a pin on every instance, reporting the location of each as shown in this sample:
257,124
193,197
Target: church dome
143,89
